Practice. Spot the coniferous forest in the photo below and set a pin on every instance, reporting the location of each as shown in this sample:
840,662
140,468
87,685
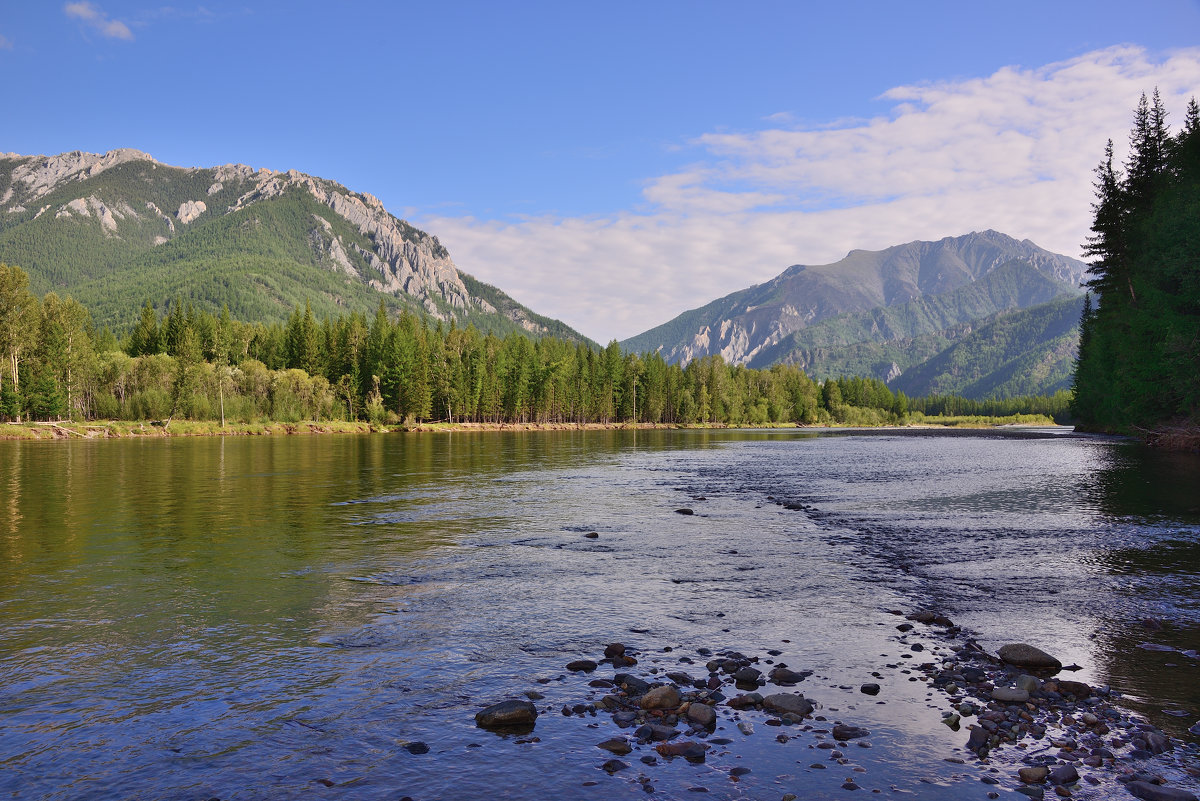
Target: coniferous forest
184,363
1139,359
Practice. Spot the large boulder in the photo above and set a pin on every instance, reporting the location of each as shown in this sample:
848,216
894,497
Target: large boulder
1024,655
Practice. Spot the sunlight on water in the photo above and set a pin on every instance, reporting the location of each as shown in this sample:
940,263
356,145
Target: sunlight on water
266,618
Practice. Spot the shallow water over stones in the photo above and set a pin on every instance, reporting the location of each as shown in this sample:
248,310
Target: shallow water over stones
272,618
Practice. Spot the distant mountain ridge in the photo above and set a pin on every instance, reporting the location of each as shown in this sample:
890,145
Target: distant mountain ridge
113,229
876,313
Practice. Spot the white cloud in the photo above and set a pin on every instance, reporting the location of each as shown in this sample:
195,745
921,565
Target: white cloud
1013,151
5,42
94,17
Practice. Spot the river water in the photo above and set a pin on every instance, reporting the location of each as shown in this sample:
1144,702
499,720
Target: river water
253,618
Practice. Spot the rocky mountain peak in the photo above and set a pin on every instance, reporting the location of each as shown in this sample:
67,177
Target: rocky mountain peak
38,176
52,206
929,286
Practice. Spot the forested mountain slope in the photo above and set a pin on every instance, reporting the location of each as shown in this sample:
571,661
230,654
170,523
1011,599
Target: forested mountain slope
111,230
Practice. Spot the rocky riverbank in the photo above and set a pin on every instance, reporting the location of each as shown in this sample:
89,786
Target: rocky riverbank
1025,727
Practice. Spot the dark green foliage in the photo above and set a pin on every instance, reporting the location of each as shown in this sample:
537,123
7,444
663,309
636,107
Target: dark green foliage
1139,360
996,360
1057,406
191,363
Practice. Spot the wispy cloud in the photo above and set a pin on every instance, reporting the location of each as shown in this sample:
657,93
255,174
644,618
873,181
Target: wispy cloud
92,16
5,42
1013,151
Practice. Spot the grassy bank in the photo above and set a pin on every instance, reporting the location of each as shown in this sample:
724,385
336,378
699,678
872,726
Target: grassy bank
113,429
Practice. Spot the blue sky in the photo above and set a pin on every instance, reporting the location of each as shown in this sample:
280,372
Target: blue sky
614,164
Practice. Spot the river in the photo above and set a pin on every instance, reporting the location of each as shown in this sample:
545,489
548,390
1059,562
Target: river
278,617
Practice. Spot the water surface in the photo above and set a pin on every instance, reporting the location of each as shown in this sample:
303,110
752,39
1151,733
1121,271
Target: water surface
268,618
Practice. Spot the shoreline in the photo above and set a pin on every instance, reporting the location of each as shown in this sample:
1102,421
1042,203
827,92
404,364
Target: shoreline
138,429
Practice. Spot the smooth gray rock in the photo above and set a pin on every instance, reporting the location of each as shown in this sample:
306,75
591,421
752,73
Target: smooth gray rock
617,745
1025,655
782,675
1034,775
507,715
1156,792
747,675
1029,684
653,731
1064,774
844,732
1010,695
665,697
702,714
794,703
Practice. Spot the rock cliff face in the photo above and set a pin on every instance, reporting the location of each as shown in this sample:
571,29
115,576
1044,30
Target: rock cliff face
35,177
136,202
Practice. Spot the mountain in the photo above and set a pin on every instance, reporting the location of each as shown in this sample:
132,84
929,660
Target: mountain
116,229
1024,352
886,313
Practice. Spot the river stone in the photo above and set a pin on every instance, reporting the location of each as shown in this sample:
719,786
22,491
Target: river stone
653,731
691,751
665,697
702,714
844,732
1034,775
782,675
631,683
869,689
507,715
1064,774
617,745
1024,655
1010,695
614,649
585,665
1155,792
614,765
747,701
788,702
1078,689
1157,743
978,738
1028,683
747,675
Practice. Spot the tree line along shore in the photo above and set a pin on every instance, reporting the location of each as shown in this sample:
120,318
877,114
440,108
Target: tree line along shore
185,364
